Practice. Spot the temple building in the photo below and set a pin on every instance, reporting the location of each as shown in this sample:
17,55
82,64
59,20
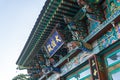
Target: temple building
74,40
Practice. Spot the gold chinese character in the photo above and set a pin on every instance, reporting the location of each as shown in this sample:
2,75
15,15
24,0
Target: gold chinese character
53,44
95,72
57,38
93,62
49,48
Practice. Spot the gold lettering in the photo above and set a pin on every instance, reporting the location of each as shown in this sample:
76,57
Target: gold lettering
49,48
95,72
53,44
93,62
57,38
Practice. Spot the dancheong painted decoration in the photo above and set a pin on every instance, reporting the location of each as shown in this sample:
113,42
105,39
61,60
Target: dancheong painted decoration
74,40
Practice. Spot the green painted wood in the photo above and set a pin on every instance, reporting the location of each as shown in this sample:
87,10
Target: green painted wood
113,72
110,47
65,58
79,15
94,1
102,26
69,4
111,54
68,8
65,12
31,48
74,69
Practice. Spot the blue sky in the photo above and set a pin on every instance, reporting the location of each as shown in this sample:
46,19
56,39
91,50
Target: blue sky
17,18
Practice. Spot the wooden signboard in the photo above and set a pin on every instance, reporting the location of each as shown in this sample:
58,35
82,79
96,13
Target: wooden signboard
97,69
